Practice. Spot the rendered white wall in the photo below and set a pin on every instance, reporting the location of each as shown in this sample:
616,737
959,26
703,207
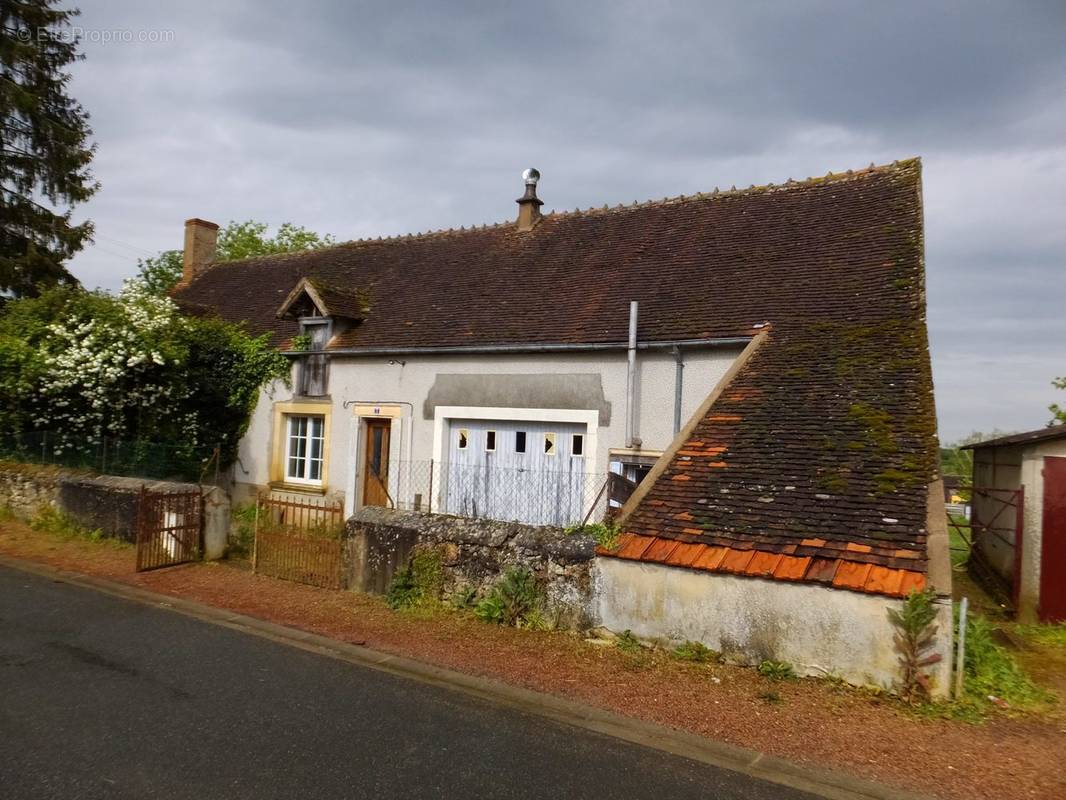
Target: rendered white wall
375,380
818,630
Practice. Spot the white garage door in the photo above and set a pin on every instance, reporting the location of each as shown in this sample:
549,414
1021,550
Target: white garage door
530,472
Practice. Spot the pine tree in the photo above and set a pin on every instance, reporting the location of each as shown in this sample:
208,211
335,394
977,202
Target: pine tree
44,148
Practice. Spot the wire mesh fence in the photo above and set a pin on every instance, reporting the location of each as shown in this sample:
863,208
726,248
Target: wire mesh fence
561,497
111,456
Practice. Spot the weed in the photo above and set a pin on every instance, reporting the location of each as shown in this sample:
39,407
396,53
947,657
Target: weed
776,670
606,534
770,696
403,592
992,672
7,514
627,642
696,651
49,519
514,599
915,638
419,582
242,531
464,598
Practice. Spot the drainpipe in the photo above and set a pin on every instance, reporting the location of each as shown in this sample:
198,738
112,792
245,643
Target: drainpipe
631,377
678,382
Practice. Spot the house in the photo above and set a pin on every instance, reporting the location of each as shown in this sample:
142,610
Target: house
1019,519
756,360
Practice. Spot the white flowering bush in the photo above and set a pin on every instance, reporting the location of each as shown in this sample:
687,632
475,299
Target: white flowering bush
88,366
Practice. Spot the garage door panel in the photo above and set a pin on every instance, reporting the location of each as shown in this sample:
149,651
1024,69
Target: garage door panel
512,470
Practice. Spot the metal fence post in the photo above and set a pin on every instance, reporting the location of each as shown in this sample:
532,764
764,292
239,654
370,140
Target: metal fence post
960,656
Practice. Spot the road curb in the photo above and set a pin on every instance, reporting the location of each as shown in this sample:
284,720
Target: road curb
820,782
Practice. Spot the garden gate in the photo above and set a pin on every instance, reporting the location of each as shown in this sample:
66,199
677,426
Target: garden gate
169,528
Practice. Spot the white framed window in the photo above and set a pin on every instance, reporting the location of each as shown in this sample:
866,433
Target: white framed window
549,444
304,448
464,438
577,444
520,442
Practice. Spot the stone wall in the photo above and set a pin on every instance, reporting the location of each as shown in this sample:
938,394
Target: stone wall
24,488
474,554
104,502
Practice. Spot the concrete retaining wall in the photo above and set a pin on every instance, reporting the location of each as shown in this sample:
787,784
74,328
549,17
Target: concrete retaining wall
474,554
818,630
105,502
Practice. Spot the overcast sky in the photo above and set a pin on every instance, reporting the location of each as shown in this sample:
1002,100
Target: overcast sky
367,119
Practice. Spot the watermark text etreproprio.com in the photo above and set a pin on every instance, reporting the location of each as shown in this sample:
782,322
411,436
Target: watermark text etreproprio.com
76,33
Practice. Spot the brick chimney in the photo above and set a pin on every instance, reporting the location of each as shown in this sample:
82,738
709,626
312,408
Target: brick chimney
529,204
201,237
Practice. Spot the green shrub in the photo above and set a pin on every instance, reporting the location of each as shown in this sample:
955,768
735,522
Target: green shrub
695,651
605,533
514,599
776,670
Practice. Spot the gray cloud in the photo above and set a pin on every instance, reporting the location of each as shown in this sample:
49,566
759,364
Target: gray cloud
362,119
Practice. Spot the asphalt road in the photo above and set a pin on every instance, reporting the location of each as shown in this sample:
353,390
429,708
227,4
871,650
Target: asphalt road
102,697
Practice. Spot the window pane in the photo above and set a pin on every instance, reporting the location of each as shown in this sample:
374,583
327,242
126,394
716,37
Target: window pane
578,446
490,440
549,444
464,437
520,442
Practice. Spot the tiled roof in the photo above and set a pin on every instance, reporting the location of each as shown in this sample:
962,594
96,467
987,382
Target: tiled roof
840,573
824,442
1047,434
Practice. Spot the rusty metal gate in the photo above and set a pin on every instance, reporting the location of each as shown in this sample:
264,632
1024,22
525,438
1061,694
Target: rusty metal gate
169,528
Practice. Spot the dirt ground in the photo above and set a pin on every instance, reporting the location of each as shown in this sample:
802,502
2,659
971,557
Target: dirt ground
809,721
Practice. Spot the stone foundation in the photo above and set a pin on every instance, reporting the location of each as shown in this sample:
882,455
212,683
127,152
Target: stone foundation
474,554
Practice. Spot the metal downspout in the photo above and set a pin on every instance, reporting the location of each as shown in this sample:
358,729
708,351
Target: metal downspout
631,376
679,360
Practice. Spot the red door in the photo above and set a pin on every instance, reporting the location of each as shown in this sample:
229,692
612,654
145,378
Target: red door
1053,534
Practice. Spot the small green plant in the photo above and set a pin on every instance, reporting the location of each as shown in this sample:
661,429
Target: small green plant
7,514
242,531
464,597
627,642
302,342
770,696
695,651
49,519
403,591
419,582
776,670
914,639
605,534
514,598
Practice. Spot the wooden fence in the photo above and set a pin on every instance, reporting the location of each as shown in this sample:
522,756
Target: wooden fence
299,540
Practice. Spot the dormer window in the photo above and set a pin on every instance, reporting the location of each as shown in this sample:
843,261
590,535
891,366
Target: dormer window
322,311
312,378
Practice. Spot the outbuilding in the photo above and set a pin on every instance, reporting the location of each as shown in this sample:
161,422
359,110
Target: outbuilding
1019,519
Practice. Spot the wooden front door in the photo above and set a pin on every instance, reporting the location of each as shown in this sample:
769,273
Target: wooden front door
376,459
1053,536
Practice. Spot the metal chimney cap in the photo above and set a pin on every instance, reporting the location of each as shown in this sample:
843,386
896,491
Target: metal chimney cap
531,176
